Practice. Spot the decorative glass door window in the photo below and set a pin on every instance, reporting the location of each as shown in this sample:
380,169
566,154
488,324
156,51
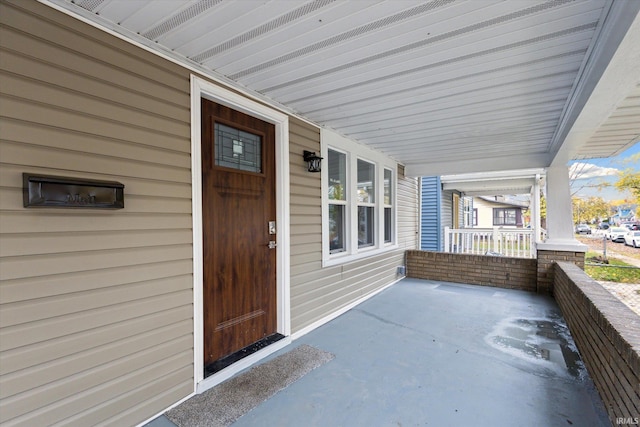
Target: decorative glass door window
237,149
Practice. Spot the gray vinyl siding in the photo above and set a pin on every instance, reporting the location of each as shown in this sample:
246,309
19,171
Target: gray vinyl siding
96,315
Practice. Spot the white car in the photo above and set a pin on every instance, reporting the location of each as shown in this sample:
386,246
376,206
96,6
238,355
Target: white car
632,238
616,234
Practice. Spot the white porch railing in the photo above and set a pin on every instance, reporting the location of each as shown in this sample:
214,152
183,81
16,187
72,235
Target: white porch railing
512,242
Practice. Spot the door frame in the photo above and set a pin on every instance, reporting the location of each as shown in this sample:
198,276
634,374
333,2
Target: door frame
201,88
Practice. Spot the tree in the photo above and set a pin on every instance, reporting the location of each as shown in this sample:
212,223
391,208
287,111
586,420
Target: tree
591,209
630,180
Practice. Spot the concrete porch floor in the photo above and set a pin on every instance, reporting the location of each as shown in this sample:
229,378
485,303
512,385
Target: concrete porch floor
434,353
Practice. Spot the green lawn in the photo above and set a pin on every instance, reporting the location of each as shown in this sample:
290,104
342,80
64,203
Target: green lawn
610,273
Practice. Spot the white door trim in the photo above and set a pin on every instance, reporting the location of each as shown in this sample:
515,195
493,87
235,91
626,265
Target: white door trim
201,88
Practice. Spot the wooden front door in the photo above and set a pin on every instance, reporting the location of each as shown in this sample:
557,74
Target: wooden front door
238,202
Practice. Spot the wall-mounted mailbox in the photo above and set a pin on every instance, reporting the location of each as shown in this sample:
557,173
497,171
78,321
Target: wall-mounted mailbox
43,191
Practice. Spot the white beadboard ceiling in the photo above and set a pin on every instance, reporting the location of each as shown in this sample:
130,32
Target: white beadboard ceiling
442,86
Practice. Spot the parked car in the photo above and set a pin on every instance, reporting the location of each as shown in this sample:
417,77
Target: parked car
583,229
603,226
632,238
631,225
616,234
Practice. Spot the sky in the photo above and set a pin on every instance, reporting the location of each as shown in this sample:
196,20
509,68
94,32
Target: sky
591,174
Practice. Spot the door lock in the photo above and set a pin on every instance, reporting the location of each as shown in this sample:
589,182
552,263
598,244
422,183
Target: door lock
272,227
272,244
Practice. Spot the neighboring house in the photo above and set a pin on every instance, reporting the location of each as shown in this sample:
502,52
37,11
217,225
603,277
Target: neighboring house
439,209
498,211
624,214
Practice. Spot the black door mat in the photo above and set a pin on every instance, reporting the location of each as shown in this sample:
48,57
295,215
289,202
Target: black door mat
226,402
219,365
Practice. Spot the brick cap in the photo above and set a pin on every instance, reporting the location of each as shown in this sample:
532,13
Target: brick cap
562,245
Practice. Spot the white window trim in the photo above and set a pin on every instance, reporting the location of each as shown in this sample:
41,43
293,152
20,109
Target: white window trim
355,151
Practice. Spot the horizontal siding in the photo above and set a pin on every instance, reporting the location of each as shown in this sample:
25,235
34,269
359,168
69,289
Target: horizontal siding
96,312
305,204
408,213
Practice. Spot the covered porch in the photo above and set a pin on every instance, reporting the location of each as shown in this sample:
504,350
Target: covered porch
425,352
103,311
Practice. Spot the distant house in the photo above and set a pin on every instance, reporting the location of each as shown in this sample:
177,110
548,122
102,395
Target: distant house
624,214
497,211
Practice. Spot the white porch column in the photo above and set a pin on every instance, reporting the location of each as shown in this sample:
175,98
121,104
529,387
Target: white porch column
560,234
535,210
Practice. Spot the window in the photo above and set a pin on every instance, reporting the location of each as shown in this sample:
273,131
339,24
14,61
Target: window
468,211
337,165
388,205
502,216
359,188
475,217
237,149
366,195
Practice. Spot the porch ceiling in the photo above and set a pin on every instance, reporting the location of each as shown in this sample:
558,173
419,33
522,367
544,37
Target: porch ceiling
442,86
497,183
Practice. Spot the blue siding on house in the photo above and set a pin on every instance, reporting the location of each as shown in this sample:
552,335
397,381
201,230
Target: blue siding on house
430,221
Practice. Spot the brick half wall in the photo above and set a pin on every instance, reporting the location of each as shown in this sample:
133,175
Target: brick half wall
501,272
607,334
546,261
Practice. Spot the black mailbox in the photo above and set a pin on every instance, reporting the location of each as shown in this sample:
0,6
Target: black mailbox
43,191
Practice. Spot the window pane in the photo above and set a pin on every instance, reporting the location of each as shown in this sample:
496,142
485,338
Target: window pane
497,217
366,182
504,217
366,225
337,175
387,225
336,228
387,187
237,149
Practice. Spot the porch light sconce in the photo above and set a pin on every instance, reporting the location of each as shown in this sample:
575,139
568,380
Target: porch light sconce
312,160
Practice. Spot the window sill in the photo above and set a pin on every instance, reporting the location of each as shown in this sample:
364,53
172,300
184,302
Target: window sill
339,259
